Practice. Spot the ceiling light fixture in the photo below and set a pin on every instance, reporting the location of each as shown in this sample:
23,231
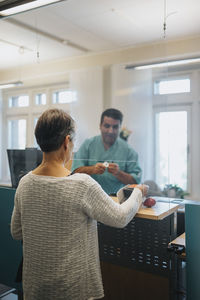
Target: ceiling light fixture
168,63
10,84
12,7
20,47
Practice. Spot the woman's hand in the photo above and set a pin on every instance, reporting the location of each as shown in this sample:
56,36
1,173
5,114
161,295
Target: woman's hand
143,187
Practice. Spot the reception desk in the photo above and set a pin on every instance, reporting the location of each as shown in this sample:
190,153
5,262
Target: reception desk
131,258
137,254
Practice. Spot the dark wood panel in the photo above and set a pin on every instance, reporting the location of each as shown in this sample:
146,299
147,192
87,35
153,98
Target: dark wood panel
122,283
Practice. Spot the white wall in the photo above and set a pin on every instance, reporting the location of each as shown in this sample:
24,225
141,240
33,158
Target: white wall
195,145
57,71
87,110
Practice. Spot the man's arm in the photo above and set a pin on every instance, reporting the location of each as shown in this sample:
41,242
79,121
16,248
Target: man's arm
122,176
80,162
98,168
125,178
132,172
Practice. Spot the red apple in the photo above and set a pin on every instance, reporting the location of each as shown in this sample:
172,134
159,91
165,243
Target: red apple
149,202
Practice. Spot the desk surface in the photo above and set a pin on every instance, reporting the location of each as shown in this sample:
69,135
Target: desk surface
180,240
158,212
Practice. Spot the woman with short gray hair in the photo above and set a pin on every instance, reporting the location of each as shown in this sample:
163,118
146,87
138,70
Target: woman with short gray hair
56,217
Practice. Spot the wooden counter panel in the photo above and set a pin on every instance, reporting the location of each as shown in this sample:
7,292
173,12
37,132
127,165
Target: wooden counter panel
122,283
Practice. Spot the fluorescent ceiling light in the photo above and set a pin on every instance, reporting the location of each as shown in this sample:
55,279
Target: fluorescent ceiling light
12,7
10,84
164,64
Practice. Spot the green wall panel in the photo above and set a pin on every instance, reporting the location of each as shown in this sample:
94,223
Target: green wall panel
192,226
10,250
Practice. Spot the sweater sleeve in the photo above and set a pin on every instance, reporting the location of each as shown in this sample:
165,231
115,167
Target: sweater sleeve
16,228
99,206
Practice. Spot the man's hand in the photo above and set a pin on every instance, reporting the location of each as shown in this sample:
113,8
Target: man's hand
99,168
113,169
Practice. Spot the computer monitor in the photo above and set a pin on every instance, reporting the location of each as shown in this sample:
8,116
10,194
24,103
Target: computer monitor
21,162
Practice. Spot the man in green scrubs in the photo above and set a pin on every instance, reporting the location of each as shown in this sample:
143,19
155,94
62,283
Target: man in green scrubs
107,158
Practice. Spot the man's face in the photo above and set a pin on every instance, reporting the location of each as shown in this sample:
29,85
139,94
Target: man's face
109,130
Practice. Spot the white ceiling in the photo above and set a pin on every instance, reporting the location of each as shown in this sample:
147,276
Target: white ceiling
97,25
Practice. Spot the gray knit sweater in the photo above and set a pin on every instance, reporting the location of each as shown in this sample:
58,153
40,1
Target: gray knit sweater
56,219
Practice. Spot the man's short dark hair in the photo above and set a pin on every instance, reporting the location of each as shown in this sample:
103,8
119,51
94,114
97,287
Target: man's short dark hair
112,113
51,129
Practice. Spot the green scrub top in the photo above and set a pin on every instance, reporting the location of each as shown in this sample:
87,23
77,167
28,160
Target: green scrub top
92,151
